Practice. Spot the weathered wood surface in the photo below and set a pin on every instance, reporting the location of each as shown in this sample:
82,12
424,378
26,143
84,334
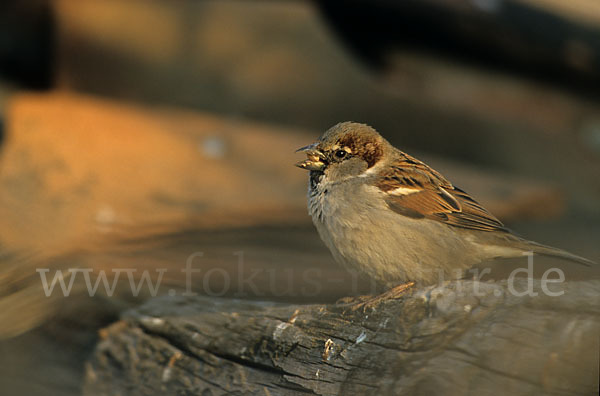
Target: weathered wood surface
438,340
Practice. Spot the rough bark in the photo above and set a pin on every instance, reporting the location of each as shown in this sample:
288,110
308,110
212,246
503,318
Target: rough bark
458,338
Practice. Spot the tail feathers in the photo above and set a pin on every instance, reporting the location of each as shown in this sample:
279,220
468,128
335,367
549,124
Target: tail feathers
543,250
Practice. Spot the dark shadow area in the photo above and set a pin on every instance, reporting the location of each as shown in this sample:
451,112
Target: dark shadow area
56,349
27,43
501,35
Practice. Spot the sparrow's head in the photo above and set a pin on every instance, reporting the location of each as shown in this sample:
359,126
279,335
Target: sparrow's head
347,149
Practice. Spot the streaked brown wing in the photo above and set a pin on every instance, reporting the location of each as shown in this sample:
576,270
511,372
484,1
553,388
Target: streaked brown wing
416,190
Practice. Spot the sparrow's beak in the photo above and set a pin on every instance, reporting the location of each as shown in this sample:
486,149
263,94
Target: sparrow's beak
315,159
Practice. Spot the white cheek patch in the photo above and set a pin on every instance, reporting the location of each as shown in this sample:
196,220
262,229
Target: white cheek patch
373,170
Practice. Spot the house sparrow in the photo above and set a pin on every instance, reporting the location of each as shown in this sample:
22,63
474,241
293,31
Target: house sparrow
392,217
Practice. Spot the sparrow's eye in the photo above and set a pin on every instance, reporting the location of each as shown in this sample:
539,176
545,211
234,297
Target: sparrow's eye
340,153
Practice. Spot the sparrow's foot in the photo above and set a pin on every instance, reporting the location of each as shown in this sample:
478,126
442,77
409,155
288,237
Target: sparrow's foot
371,302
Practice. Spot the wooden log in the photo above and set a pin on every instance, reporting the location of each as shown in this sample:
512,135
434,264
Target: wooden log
459,338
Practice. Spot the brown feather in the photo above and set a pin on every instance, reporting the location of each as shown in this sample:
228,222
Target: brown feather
434,197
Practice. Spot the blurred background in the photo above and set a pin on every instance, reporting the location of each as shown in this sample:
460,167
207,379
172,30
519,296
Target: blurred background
134,133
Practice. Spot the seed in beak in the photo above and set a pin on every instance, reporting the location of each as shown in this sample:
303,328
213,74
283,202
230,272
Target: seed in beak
315,158
311,164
